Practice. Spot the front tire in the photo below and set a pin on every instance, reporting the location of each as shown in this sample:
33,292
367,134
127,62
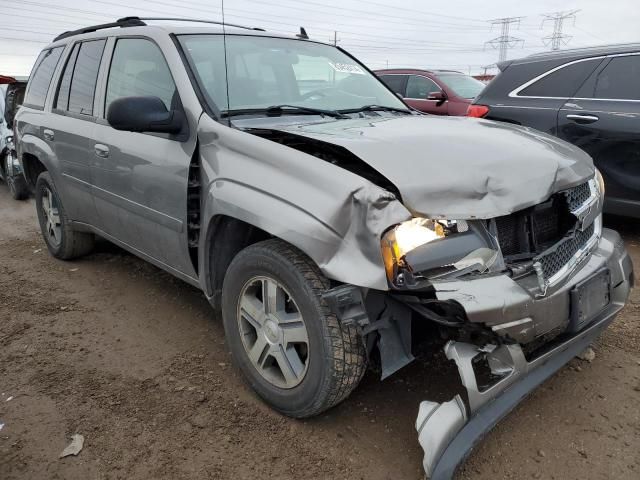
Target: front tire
62,241
289,346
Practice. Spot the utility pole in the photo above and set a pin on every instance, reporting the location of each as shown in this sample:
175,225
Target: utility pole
504,41
557,38
335,38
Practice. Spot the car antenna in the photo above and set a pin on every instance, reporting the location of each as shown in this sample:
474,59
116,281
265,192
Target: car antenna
302,34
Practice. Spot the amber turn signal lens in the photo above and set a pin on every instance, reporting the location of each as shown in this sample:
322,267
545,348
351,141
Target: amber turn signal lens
389,253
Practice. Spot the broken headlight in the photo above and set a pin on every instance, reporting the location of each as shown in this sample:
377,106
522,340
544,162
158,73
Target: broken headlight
409,235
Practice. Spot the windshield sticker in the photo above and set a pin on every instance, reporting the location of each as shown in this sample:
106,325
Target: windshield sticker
347,68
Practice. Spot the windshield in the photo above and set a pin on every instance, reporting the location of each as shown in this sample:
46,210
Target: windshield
462,85
265,72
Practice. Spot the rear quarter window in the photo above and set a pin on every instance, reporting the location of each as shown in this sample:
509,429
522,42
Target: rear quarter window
40,78
562,83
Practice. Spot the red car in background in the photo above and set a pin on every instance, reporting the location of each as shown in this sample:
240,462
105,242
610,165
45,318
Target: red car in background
439,92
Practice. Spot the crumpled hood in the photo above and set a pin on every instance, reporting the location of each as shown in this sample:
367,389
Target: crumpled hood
457,167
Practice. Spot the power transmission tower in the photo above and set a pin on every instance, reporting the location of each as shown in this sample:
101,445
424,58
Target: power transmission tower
487,67
557,38
505,41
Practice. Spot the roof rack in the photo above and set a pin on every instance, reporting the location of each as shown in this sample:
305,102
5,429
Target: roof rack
122,23
140,22
195,20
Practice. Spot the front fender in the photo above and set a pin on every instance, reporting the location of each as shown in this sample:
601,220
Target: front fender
335,217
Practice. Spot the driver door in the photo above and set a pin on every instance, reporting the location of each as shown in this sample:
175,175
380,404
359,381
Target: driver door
417,95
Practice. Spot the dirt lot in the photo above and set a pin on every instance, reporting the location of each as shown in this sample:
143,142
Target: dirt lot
120,352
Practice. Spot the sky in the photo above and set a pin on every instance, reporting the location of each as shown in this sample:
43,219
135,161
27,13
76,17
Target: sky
381,33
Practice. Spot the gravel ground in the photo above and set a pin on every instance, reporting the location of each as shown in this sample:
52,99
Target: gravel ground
134,360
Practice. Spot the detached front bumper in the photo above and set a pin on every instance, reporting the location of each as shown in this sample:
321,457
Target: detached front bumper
449,431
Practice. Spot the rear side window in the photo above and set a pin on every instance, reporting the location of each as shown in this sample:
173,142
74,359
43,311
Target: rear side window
62,100
420,87
395,82
562,83
41,77
138,68
85,75
620,79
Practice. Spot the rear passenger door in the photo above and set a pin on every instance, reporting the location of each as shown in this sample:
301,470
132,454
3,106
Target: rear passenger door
604,120
417,93
72,129
140,179
536,103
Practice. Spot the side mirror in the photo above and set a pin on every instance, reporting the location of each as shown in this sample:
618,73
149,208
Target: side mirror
438,96
144,114
399,95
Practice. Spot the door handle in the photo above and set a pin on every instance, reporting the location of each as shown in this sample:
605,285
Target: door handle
48,135
582,118
102,151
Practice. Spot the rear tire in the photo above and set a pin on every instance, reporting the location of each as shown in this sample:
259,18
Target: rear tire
295,353
62,241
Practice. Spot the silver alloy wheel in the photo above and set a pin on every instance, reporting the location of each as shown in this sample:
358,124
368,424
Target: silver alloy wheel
51,216
273,332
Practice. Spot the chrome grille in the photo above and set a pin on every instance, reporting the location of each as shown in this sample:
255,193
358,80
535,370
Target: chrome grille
552,261
578,195
548,234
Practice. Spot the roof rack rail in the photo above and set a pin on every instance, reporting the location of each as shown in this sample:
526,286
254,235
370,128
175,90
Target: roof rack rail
140,22
122,23
195,20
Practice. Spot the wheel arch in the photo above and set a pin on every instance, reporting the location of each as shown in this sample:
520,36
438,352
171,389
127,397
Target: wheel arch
36,156
225,237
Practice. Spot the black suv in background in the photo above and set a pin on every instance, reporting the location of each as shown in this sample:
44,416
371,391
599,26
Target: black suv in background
589,97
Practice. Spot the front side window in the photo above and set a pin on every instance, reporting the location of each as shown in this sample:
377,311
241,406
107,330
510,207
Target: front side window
41,76
395,82
420,87
138,69
263,72
564,82
463,86
620,79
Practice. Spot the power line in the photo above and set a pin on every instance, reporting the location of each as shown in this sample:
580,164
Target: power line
505,41
558,38
328,30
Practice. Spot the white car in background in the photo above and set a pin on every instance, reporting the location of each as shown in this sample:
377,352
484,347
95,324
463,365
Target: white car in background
12,90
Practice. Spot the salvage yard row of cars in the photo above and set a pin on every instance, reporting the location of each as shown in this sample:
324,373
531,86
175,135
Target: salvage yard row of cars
324,217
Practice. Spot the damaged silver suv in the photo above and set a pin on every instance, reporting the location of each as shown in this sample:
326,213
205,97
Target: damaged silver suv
322,215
